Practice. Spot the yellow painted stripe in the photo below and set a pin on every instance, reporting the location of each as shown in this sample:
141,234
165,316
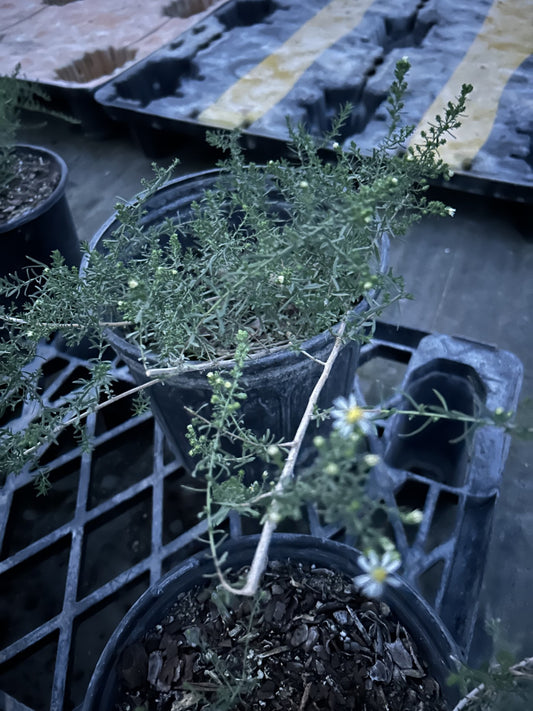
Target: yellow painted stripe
268,82
504,41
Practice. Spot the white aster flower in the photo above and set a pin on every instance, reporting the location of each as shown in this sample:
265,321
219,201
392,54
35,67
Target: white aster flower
377,573
348,415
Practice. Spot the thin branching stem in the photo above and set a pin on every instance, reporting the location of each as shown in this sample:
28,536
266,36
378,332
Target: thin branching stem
233,435
260,558
97,408
470,698
522,669
55,326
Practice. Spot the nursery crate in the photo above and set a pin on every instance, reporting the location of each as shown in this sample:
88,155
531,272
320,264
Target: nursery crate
252,63
120,516
72,47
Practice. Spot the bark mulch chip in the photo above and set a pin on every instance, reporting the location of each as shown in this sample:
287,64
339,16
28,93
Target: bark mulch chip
310,642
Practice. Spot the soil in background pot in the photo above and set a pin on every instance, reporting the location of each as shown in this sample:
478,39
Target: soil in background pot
36,177
311,642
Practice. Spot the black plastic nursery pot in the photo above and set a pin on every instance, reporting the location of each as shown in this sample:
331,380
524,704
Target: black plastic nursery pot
278,383
434,645
41,230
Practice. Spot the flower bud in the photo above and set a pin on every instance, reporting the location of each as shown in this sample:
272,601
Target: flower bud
331,469
413,517
372,460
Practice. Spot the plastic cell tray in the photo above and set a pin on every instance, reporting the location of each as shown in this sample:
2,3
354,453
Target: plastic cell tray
120,516
453,476
252,63
72,47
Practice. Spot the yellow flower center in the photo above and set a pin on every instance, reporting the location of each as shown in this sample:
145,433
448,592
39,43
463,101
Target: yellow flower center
354,414
379,574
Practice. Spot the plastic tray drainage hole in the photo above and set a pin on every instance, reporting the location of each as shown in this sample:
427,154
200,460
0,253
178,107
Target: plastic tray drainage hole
28,677
50,371
444,521
70,384
439,450
245,13
91,631
429,583
410,497
96,64
187,8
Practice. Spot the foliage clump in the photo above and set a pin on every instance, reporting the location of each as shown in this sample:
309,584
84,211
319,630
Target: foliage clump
281,252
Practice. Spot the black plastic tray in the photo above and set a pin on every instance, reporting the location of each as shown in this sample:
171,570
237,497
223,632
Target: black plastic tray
254,62
120,516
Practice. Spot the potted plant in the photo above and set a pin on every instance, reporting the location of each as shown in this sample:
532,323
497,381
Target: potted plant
35,218
265,261
284,621
289,252
309,640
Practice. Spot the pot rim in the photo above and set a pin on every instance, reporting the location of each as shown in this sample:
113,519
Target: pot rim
51,200
268,357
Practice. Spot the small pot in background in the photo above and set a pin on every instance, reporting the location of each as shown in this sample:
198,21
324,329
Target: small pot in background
41,230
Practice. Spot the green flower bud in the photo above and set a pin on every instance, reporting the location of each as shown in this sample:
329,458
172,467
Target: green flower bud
331,469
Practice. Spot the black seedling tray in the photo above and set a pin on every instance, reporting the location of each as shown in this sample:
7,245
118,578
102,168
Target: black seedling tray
120,516
71,48
252,63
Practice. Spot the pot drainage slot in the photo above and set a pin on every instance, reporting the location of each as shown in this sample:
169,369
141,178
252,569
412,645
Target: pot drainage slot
187,8
439,450
94,65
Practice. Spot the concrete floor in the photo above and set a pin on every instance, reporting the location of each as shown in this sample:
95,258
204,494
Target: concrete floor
470,276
